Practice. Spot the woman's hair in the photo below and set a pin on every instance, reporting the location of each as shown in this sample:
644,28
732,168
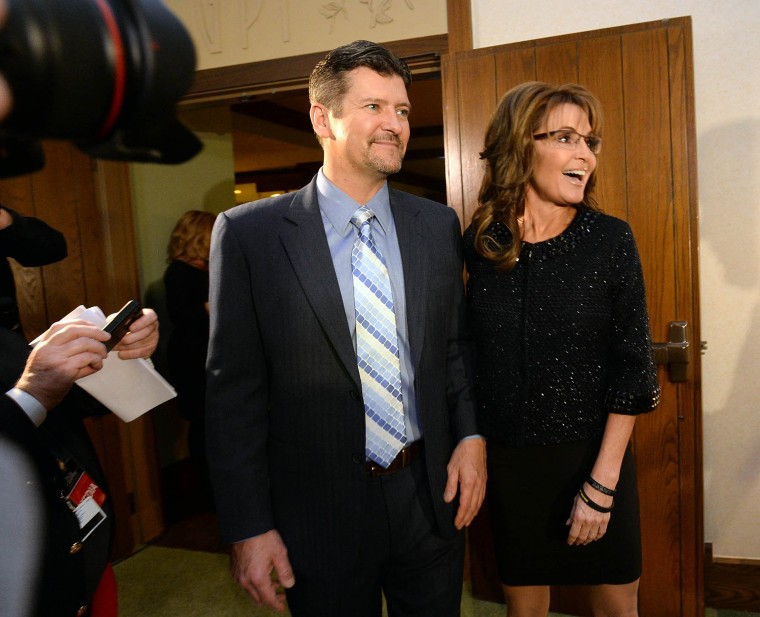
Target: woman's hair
191,237
510,154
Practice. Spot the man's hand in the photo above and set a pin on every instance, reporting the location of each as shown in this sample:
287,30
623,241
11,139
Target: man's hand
467,471
142,338
67,351
254,560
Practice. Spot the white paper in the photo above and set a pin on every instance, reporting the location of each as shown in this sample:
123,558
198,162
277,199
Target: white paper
128,388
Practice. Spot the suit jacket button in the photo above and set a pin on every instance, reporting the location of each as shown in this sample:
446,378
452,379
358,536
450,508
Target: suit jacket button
82,610
357,458
355,395
75,548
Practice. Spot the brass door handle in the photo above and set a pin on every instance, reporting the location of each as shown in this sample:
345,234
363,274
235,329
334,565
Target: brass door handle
675,353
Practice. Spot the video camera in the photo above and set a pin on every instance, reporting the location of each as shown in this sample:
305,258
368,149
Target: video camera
103,74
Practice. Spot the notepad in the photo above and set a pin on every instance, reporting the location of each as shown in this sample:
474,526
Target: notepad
129,388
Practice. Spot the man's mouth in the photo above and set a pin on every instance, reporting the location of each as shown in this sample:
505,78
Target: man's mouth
389,140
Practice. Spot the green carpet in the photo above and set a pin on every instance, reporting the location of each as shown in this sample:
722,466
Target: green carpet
169,582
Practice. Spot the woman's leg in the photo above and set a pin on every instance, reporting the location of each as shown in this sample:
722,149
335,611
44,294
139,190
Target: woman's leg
615,600
526,600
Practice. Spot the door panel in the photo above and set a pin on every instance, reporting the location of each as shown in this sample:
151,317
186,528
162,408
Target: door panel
647,175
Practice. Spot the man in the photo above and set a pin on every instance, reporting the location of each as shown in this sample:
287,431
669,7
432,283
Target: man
337,454
41,418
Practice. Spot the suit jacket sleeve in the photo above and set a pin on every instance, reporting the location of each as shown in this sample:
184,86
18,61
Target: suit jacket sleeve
32,242
237,393
460,351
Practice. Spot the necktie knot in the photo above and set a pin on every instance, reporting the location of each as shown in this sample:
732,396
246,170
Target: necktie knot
362,216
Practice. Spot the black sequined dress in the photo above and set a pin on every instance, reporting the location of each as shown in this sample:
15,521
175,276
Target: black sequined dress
562,340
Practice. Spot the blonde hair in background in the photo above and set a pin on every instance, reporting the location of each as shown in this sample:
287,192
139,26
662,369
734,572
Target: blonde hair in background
509,154
191,237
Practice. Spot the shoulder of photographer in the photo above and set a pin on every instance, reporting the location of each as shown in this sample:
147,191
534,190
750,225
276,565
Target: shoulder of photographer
30,240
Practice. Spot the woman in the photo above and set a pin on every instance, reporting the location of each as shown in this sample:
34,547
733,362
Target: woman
557,305
186,280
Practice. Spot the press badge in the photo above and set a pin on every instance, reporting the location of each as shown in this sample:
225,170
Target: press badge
83,496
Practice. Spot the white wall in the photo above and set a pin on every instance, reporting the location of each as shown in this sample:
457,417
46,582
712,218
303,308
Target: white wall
162,193
727,88
229,32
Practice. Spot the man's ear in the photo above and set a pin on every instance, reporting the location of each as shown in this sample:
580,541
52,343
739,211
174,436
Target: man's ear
320,120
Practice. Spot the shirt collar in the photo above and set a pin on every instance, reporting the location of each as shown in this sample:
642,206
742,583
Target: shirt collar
338,207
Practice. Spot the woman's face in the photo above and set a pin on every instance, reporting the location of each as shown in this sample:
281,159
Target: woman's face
561,169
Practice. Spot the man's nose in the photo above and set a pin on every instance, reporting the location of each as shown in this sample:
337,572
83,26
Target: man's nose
392,122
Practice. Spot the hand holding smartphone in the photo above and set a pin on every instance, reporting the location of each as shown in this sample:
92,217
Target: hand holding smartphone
118,325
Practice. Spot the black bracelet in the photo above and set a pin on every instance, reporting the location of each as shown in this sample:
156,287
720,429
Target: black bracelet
592,504
601,488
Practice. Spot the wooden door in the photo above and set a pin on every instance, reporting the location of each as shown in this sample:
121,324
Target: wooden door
647,175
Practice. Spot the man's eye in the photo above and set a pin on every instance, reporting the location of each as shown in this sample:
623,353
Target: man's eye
372,106
403,112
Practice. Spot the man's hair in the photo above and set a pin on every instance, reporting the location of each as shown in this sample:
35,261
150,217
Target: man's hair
328,84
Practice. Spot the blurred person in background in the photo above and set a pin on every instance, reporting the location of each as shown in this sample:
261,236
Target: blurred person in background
187,282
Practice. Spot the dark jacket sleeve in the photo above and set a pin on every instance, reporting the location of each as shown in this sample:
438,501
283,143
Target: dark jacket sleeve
237,394
31,242
633,386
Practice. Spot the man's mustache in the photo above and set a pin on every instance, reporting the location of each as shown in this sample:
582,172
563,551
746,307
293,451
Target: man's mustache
388,137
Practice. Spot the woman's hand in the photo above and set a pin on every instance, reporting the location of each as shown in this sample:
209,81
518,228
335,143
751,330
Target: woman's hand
587,524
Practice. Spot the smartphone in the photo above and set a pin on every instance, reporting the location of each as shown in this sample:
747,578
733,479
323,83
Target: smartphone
119,324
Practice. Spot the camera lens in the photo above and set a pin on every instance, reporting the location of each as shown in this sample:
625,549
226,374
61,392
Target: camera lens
105,74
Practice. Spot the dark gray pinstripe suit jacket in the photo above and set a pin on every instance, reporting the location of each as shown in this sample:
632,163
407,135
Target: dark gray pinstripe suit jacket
285,418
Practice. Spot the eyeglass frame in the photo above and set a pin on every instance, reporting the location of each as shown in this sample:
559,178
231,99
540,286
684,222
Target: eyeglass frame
594,150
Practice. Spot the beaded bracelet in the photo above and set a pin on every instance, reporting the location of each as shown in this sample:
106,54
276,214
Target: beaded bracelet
592,504
601,488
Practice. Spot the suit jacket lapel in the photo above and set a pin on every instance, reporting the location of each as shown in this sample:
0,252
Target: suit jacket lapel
303,237
413,246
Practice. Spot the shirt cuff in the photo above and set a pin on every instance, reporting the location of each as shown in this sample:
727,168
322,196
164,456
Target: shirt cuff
29,405
475,436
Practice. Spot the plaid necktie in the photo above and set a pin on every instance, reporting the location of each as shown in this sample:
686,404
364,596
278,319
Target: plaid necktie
376,346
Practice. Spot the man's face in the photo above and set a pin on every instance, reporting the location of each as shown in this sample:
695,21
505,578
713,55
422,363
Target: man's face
372,132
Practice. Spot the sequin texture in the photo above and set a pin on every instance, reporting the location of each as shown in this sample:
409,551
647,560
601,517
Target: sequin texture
563,338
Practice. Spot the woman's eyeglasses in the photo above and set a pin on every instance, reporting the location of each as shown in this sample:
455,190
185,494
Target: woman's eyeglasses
570,140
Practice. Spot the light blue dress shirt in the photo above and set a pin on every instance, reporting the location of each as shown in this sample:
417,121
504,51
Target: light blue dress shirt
337,208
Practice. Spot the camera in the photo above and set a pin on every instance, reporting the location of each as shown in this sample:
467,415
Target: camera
103,74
